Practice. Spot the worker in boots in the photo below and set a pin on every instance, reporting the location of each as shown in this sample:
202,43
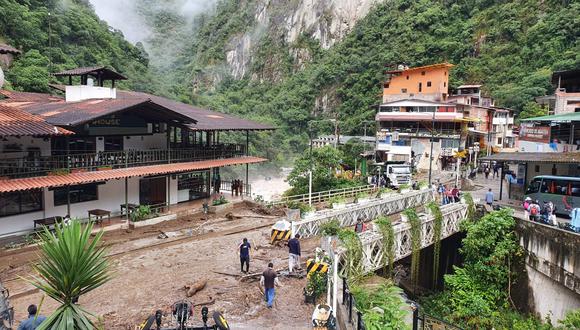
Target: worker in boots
269,280
294,253
244,249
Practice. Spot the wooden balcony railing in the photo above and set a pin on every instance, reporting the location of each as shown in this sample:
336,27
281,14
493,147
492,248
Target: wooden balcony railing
42,165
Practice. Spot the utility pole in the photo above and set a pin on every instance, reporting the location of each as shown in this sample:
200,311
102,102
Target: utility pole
431,152
335,132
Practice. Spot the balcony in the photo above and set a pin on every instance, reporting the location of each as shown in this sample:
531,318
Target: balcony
44,165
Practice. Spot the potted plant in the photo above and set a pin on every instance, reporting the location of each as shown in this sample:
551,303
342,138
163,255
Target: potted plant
362,197
337,202
404,188
315,287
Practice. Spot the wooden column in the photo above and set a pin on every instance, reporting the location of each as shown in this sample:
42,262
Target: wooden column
127,198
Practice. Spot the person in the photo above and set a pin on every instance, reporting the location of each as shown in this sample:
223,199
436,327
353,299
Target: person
548,213
455,194
486,171
489,197
33,320
526,206
360,226
534,210
268,280
294,253
440,191
496,170
244,249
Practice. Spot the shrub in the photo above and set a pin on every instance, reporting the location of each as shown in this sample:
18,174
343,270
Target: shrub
330,228
221,200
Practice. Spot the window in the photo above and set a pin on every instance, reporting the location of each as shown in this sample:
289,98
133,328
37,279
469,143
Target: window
420,87
403,90
78,194
422,73
386,85
537,168
113,143
407,77
534,187
449,143
20,202
444,84
428,84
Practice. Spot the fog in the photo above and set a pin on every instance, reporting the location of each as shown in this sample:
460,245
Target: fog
124,15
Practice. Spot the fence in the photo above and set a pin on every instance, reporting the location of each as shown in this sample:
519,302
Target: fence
354,315
422,321
322,196
227,186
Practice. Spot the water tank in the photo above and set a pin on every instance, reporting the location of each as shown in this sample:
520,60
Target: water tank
90,82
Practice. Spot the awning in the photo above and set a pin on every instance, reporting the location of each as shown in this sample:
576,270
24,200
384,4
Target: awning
536,157
564,117
10,185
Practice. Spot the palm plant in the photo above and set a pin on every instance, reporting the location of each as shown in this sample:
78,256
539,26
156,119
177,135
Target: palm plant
71,264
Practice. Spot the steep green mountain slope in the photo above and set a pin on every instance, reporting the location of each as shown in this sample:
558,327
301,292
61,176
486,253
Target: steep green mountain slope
77,38
511,47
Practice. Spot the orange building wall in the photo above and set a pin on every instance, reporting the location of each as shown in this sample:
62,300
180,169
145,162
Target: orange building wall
439,78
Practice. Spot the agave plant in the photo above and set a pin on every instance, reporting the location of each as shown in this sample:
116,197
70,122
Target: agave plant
71,264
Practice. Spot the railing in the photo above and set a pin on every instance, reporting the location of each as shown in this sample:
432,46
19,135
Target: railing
422,321
366,211
322,196
42,165
354,315
228,186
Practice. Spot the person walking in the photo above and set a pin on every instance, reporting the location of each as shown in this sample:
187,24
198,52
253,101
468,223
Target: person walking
455,195
294,253
244,249
496,170
33,320
360,226
486,171
441,191
269,280
489,197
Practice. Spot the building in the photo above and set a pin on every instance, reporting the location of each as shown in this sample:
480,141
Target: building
99,148
430,83
556,133
7,54
492,127
566,97
328,140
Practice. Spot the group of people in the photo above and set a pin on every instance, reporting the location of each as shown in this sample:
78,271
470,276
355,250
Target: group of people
545,214
379,180
237,187
447,195
269,279
496,167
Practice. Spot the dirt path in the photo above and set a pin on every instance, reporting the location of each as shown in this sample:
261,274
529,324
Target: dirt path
153,278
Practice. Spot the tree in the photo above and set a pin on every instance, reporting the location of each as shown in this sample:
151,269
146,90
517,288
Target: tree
533,109
324,162
30,72
71,264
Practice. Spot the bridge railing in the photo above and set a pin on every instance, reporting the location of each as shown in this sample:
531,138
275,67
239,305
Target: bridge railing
366,211
323,196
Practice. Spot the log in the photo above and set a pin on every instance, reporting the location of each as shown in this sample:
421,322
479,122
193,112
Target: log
228,274
210,302
195,287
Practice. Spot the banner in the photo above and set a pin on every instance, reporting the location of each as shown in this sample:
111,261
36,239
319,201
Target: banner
529,132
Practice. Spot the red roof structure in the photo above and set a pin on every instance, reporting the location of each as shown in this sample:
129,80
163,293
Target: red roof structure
17,122
10,185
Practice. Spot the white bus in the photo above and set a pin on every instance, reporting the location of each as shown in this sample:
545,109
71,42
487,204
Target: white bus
563,191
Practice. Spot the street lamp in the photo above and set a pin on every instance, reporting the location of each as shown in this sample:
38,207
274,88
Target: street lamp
476,151
470,149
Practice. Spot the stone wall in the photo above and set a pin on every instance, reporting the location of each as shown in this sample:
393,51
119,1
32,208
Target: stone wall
552,270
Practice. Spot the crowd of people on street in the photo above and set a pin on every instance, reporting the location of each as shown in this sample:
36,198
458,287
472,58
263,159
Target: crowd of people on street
544,214
447,195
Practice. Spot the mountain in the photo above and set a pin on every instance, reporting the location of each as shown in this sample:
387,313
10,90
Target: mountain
61,34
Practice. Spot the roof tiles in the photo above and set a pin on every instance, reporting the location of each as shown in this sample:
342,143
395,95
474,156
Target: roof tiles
11,185
17,122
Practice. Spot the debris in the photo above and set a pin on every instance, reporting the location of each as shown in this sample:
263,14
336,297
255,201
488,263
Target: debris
190,290
228,274
205,303
231,217
163,235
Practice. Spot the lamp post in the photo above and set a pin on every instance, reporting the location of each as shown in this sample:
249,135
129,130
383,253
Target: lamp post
431,152
470,149
476,151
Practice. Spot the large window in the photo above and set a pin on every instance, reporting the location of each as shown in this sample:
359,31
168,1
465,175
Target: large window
78,194
20,202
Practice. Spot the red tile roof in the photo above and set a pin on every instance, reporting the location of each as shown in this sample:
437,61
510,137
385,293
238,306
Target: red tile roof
207,120
26,98
17,122
10,185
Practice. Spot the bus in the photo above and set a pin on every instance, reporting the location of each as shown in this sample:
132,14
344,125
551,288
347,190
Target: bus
563,191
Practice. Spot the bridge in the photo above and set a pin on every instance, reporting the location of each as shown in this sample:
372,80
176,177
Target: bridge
367,211
372,241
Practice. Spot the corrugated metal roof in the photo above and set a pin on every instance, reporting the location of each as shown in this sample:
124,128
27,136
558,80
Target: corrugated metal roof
425,67
467,86
17,122
27,98
105,72
97,176
7,49
573,116
536,157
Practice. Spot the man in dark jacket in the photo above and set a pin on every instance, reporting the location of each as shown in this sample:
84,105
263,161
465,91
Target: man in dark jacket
294,253
245,255
268,280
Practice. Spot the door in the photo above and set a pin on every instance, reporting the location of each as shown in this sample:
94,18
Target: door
152,191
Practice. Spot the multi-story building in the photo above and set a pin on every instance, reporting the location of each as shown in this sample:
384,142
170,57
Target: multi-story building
414,110
566,97
99,148
490,126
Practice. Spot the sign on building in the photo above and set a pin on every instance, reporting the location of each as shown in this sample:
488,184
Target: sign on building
529,132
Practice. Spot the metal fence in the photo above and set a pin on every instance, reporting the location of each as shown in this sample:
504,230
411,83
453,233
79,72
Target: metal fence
322,196
422,321
228,185
355,317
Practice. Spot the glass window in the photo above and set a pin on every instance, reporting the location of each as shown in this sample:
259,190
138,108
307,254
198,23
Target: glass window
20,202
78,194
428,84
534,187
576,189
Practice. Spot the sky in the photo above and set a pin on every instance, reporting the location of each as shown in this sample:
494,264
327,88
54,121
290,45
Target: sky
122,14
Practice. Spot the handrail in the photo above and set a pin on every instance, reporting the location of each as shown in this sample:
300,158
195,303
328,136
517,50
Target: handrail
322,196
